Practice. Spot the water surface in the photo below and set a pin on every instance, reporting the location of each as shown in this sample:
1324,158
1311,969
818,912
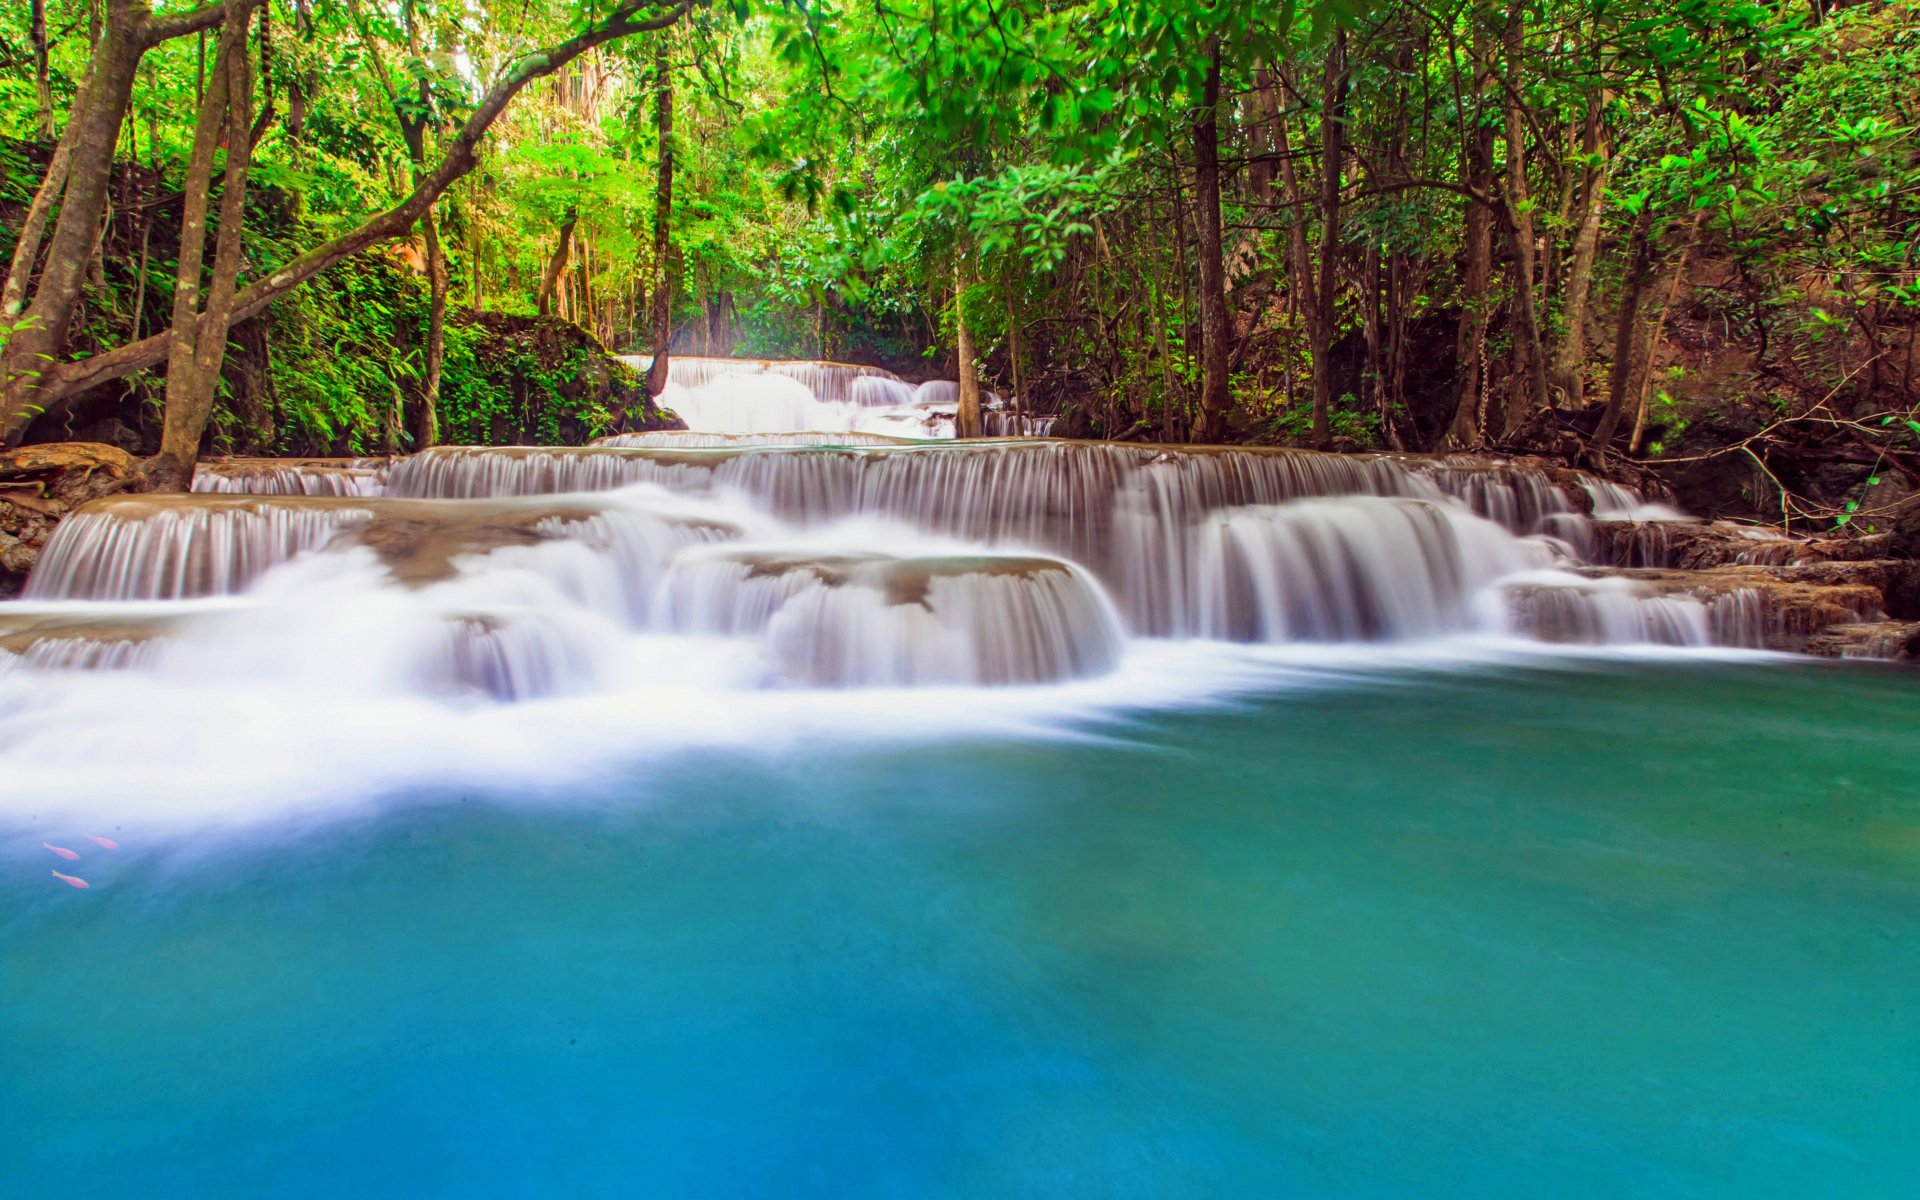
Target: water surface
1648,930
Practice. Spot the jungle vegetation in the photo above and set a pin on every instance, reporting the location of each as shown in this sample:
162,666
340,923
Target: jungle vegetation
1613,230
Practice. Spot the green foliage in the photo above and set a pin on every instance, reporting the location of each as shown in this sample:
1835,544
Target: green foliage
347,358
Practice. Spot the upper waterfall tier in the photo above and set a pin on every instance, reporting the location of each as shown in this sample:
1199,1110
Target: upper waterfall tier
831,382
769,396
690,439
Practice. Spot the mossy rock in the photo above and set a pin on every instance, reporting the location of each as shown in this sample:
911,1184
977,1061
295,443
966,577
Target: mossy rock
538,381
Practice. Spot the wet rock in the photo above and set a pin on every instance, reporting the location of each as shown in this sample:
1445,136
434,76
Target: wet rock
1779,607
1893,640
556,384
41,484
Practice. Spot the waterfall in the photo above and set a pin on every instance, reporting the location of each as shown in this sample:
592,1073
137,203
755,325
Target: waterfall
1356,569
1559,608
878,620
687,439
134,548
713,566
770,396
270,477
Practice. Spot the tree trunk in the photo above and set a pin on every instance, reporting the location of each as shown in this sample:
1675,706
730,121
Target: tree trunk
42,71
81,190
1332,153
1571,352
413,127
1468,427
1527,345
1639,265
30,385
200,335
427,430
557,265
966,418
1216,327
1305,294
662,221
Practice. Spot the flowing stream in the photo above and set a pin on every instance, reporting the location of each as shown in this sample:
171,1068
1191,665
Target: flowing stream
742,811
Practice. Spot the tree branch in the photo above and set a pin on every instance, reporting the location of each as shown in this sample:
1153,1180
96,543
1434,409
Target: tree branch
68,379
173,25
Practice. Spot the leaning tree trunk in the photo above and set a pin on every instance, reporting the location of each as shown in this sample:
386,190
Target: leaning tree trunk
1216,326
662,222
1639,267
200,332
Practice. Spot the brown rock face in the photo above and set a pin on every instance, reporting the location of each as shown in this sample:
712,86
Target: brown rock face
41,484
1850,609
1895,640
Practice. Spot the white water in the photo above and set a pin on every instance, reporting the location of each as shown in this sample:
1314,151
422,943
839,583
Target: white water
526,614
764,397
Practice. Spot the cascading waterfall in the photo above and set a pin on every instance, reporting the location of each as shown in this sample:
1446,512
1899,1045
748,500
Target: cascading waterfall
1353,569
1129,514
1081,542
163,549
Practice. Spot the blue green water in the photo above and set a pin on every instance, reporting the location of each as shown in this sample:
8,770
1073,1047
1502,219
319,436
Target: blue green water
1629,932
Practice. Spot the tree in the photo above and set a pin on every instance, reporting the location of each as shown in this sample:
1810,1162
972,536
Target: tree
36,379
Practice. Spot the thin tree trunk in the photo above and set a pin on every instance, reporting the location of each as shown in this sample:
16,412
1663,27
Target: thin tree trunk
1468,427
140,274
427,430
1571,352
1216,326
1020,423
1521,225
1332,153
200,335
1658,332
42,71
1303,292
1639,262
657,373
